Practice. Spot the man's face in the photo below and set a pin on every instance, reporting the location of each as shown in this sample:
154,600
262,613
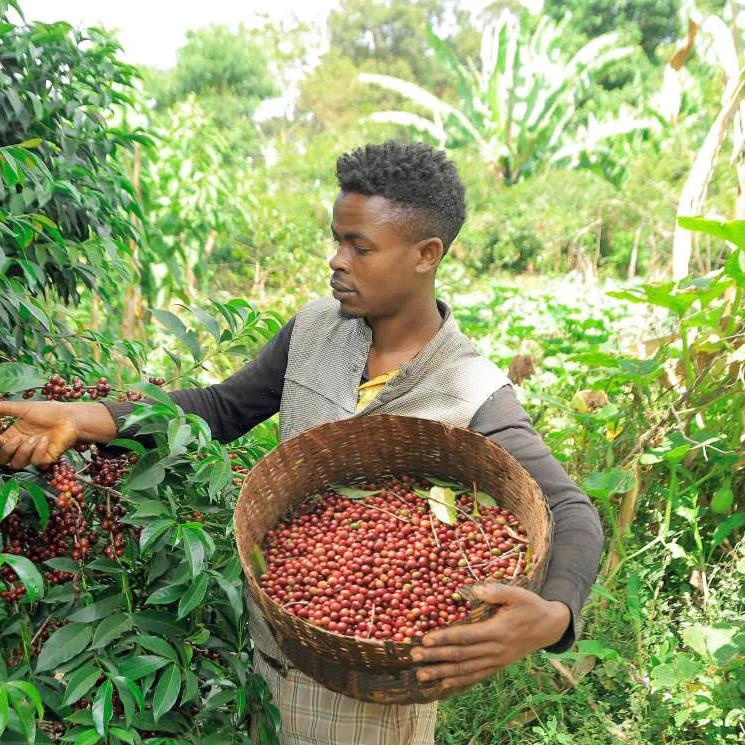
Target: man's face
375,269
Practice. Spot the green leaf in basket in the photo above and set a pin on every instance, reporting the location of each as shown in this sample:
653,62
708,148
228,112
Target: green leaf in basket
457,488
442,503
351,493
258,562
484,499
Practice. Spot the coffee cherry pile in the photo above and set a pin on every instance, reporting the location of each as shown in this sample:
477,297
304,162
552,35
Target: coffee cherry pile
58,389
384,567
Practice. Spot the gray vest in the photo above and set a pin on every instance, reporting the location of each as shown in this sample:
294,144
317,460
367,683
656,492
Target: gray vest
448,381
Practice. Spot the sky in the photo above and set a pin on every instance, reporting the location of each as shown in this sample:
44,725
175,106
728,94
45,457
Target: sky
152,30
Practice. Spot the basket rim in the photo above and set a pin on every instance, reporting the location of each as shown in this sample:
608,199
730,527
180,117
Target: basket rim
400,648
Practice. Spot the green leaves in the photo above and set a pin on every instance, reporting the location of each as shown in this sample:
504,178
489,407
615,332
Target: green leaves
80,682
194,596
166,692
604,484
442,503
258,562
726,230
17,376
138,666
63,645
102,709
27,573
352,493
112,628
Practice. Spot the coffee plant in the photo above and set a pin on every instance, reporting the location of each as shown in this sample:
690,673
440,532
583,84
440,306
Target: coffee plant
122,606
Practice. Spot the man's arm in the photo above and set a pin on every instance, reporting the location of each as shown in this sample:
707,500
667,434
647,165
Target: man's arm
578,536
240,402
524,621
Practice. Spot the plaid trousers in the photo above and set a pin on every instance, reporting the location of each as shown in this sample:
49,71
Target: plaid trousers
314,715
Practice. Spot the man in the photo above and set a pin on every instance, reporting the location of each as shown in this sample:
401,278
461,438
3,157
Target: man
383,345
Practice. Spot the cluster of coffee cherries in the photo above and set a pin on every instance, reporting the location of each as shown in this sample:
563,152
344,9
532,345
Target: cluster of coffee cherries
239,472
75,528
383,566
156,381
58,389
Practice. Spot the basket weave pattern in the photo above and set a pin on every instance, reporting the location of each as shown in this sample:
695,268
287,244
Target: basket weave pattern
364,449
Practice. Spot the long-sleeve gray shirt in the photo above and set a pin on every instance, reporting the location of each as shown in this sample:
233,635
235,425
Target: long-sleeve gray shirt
253,394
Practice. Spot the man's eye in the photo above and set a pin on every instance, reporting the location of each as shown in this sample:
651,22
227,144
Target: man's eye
361,251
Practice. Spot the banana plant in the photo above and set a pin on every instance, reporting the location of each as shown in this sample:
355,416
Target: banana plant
520,104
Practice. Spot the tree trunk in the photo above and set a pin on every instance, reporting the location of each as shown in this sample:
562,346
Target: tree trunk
694,192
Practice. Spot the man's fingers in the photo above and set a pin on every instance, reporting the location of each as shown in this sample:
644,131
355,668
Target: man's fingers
41,457
22,456
469,680
470,633
8,448
496,592
456,669
13,408
455,653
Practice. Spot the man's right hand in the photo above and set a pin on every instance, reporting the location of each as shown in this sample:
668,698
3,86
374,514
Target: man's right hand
43,430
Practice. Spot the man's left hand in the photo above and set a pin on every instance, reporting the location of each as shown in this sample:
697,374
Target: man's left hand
463,655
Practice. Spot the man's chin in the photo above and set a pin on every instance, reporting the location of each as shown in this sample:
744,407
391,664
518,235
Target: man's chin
349,312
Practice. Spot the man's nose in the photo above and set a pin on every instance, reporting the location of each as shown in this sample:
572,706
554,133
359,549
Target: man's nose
338,262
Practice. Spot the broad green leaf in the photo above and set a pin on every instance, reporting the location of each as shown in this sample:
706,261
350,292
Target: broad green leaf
27,573
715,643
604,484
16,377
485,500
63,645
158,646
154,530
727,230
147,473
194,549
30,692
132,688
442,504
258,562
97,610
171,322
9,493
39,500
80,682
102,709
193,596
166,692
87,737
352,493
457,488
727,527
220,476
233,593
166,595
139,666
156,622
4,709
112,628
673,675
723,499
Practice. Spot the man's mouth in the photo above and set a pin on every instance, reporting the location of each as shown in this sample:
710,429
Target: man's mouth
338,287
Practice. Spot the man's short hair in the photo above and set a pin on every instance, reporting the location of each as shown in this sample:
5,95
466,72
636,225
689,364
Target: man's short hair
420,180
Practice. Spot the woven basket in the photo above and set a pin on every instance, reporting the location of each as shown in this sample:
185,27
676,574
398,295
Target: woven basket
364,449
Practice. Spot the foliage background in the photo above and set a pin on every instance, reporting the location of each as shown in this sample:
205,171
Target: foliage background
156,223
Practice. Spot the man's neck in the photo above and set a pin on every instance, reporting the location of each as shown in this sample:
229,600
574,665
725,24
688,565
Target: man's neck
398,339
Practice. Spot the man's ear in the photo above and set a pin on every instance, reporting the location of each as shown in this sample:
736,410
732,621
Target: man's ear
431,252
